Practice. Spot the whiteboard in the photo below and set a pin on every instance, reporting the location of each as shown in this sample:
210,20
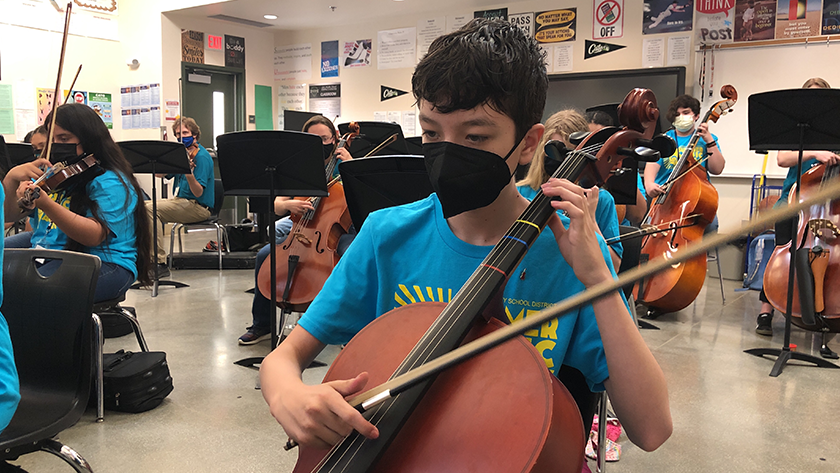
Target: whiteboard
760,69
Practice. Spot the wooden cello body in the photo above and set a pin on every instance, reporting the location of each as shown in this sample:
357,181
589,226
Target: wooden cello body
503,402
314,241
503,410
677,218
819,226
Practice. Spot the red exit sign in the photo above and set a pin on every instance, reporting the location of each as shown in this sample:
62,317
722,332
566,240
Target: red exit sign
214,42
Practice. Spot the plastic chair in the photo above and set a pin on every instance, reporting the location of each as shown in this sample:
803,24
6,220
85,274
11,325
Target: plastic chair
212,221
50,325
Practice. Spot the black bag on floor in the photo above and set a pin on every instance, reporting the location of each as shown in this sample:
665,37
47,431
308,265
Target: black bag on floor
135,382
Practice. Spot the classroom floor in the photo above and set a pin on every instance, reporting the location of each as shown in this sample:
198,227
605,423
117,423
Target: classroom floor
729,415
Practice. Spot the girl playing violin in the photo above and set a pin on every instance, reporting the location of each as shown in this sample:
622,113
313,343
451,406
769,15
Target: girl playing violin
99,213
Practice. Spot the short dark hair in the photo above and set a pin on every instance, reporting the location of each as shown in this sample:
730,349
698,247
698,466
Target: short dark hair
485,62
599,118
683,101
41,130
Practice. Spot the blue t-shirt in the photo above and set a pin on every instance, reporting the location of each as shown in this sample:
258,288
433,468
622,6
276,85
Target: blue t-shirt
409,254
116,208
666,165
205,176
605,215
790,179
9,384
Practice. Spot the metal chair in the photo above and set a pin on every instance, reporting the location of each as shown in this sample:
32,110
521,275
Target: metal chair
50,325
212,221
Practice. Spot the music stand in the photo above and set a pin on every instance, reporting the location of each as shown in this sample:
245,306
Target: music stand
793,119
156,157
371,135
414,145
271,163
20,153
383,181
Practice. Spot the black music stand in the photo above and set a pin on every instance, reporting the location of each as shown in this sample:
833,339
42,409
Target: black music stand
371,135
19,153
156,157
271,164
383,181
794,119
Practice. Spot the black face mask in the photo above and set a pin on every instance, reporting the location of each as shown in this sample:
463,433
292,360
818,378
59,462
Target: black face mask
328,149
465,178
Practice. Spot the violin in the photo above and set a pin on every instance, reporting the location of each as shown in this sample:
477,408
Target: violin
420,426
818,237
677,217
192,151
306,259
56,178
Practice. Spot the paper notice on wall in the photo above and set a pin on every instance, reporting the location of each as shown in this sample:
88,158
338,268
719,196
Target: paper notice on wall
171,110
25,121
653,52
457,21
409,123
380,116
125,114
678,50
293,62
394,117
427,31
563,55
325,99
23,94
397,48
548,55
290,97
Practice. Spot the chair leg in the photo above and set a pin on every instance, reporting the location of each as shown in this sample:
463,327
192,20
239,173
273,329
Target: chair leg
135,326
219,244
171,245
720,278
65,453
98,344
602,433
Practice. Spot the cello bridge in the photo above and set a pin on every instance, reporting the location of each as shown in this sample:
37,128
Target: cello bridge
302,238
821,228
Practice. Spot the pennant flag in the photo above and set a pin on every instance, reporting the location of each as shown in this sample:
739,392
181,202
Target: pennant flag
389,93
597,48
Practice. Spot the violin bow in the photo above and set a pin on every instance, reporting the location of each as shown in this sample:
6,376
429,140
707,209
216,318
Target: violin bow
57,90
72,84
405,381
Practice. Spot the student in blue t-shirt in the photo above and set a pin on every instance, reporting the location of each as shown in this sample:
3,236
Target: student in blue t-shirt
480,92
684,112
195,195
99,213
558,127
9,384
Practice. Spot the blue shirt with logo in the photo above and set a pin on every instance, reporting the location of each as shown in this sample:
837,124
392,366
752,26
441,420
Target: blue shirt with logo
205,176
666,164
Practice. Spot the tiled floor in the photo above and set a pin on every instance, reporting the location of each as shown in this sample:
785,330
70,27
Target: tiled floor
729,415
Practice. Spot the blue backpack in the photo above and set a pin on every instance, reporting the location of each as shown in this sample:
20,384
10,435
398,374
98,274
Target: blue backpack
761,248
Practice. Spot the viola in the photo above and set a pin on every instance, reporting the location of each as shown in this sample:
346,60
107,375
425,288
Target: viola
678,217
544,432
56,178
306,259
818,233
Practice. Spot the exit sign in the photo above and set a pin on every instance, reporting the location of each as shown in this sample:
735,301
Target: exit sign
214,42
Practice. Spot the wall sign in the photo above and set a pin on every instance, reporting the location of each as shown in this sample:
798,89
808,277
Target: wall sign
597,48
192,46
234,51
386,93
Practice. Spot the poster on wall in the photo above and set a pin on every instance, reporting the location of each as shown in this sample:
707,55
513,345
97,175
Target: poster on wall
496,14
192,46
555,26
754,20
76,96
101,104
427,31
714,22
293,62
290,97
798,18
325,99
43,103
234,51
357,53
608,19
667,16
831,17
397,48
172,110
524,21
329,58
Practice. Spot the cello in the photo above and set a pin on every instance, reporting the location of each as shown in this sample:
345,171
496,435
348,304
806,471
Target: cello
818,235
676,218
544,432
307,257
